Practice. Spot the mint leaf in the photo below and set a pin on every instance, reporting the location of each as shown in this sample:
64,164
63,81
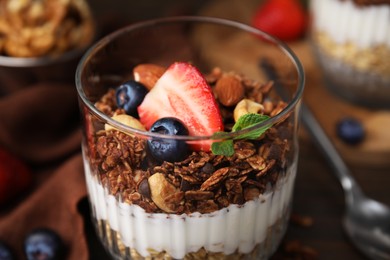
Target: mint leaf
226,147
249,120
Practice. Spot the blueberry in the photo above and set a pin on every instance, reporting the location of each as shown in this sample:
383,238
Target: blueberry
130,95
166,149
5,252
350,130
43,244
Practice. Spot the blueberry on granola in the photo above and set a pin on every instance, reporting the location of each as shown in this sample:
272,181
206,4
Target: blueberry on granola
164,149
130,95
43,244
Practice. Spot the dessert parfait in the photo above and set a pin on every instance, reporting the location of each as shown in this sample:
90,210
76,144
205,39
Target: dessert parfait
183,162
352,43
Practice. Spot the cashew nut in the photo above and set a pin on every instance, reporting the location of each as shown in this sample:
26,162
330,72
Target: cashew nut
160,189
126,120
246,106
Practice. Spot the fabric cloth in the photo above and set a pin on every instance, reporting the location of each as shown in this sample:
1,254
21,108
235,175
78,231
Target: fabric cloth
40,125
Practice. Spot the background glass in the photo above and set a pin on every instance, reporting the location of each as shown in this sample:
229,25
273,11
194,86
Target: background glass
352,48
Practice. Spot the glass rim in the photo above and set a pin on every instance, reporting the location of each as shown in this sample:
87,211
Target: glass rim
201,19
29,62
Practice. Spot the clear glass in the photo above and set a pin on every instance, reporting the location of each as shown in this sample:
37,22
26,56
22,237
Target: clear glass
18,73
244,213
353,49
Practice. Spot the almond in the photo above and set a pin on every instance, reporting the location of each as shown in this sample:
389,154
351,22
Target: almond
148,74
229,90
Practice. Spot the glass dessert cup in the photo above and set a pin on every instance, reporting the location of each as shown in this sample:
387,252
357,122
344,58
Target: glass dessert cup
207,204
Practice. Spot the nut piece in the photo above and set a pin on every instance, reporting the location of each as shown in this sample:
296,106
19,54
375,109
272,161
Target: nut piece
246,106
161,190
148,74
229,90
126,120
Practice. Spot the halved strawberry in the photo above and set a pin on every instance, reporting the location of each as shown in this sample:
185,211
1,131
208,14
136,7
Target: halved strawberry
183,93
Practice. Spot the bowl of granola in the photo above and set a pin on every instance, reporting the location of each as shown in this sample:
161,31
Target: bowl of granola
190,151
42,40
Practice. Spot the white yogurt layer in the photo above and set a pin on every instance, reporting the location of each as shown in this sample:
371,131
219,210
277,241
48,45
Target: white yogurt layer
347,23
235,228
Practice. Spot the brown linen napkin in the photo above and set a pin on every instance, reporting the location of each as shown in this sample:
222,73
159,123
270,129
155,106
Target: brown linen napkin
40,125
52,205
40,122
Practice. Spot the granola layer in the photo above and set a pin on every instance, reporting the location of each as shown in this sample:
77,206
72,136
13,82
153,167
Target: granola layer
113,241
374,59
361,87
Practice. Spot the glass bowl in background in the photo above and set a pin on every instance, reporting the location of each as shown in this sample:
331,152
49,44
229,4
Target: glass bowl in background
351,42
216,206
39,45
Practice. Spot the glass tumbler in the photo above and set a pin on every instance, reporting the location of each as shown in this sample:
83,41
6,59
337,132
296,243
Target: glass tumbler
351,42
213,193
18,72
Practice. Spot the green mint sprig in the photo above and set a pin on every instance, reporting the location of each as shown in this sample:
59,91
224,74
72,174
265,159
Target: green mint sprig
226,147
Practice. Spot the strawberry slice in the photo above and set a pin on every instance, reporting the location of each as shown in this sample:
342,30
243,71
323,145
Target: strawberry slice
183,93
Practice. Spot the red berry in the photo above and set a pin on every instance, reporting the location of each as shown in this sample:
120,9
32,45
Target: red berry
183,93
15,176
284,19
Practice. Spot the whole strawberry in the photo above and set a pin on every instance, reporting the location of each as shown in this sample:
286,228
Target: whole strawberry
284,19
15,176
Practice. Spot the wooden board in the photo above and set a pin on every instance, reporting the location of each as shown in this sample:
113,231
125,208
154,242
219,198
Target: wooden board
374,151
